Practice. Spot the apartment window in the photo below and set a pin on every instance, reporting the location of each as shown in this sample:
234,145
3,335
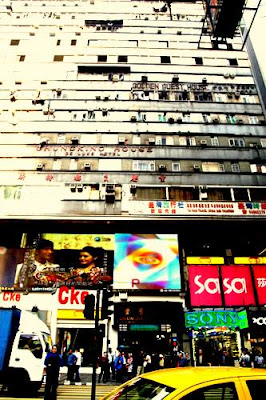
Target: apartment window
198,60
175,166
236,142
58,58
214,141
14,42
102,58
212,167
165,60
122,59
231,119
232,61
203,96
253,120
235,167
187,141
73,42
142,165
22,58
58,42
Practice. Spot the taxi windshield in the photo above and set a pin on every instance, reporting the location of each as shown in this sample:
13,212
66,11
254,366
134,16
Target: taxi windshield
142,389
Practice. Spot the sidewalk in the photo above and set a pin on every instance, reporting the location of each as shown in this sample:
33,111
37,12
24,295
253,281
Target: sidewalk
85,376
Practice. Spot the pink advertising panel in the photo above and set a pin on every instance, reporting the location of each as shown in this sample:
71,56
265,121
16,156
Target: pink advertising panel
204,285
237,285
260,283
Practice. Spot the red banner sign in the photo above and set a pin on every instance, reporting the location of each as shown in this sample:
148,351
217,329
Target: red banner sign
237,285
204,286
260,283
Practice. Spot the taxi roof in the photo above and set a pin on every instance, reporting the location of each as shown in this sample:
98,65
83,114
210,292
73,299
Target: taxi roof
185,377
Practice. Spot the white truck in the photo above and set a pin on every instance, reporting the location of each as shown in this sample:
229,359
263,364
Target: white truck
25,341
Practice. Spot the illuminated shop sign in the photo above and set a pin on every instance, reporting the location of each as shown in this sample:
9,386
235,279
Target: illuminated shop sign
259,272
250,260
211,319
205,260
205,288
144,328
192,208
146,261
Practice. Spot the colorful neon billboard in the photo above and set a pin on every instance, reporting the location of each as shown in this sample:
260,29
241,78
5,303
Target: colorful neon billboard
146,261
209,319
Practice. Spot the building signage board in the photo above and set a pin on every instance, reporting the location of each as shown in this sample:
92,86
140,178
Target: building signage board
204,286
249,260
148,261
205,260
237,286
199,208
210,319
257,323
259,272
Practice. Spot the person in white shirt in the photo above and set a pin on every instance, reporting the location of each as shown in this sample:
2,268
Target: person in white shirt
77,366
30,272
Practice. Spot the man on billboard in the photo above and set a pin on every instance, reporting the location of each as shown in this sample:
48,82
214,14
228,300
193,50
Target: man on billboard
35,270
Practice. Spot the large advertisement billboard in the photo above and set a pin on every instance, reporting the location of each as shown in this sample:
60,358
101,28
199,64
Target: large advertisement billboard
49,260
146,261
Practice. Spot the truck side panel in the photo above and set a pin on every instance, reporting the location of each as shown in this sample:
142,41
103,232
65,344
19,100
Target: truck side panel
9,323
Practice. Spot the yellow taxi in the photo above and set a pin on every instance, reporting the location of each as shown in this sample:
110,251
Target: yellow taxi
195,383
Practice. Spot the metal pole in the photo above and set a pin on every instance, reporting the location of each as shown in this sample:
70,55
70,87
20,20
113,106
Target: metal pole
96,336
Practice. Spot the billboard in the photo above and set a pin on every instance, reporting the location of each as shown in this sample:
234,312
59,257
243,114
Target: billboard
231,319
146,261
50,260
237,285
259,272
204,286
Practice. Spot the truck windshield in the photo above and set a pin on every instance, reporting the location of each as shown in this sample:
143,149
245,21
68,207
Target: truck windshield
141,389
31,343
48,341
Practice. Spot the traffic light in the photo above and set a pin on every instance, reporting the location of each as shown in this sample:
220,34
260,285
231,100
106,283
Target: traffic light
107,305
89,304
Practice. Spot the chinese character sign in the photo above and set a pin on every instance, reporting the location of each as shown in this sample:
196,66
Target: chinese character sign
144,261
260,283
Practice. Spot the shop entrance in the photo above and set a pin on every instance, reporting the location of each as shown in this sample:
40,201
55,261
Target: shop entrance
82,339
213,341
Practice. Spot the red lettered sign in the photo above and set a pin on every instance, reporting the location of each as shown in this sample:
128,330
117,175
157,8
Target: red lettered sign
260,283
237,285
204,286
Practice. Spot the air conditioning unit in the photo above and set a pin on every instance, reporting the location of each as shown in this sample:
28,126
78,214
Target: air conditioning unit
151,140
215,120
80,187
72,188
204,80
230,95
162,168
226,75
110,188
240,121
237,95
121,140
40,167
203,142
179,120
74,140
98,98
196,167
115,78
204,195
144,78
133,189
175,79
44,141
87,166
232,76
171,120
133,119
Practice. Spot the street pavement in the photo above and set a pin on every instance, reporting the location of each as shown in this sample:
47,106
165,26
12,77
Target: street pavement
68,392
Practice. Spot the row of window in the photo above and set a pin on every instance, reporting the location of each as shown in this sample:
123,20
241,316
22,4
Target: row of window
136,165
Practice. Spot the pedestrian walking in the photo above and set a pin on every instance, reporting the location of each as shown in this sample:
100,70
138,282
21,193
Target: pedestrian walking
147,363
259,360
71,364
129,366
103,363
244,360
118,364
77,366
161,361
139,363
53,362
111,359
